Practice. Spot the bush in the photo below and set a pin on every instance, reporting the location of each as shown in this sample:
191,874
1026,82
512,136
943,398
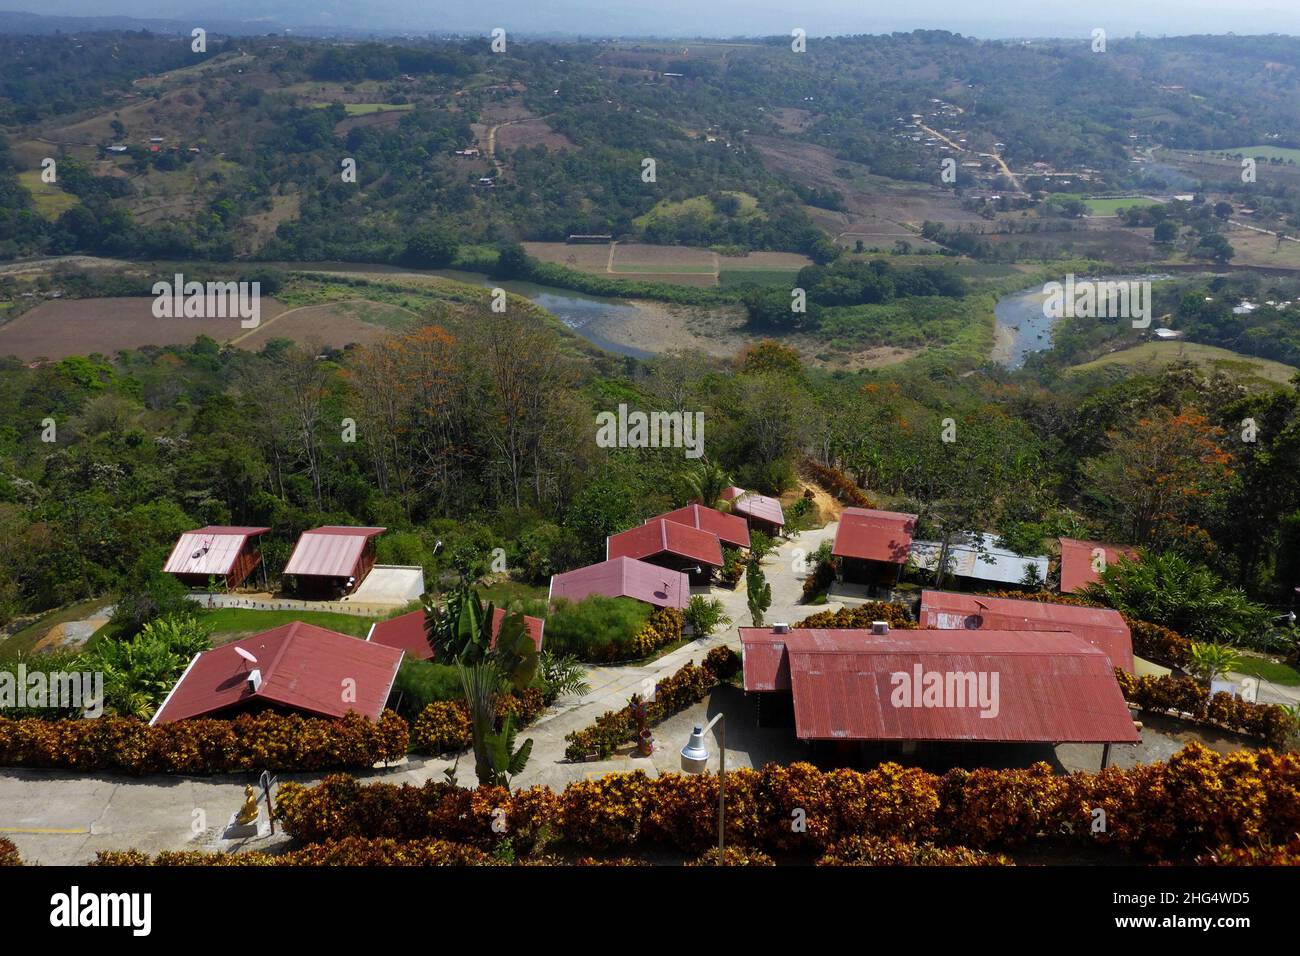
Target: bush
421,683
891,851
350,851
838,484
822,575
9,855
266,741
1199,802
705,615
160,596
1269,722
444,726
733,566
733,856
861,616
597,629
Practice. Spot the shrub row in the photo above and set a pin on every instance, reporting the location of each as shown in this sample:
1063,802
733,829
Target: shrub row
861,616
821,578
859,850
1185,695
265,741
838,484
674,693
663,628
1196,803
443,726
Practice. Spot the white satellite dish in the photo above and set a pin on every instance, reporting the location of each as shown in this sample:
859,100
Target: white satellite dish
246,655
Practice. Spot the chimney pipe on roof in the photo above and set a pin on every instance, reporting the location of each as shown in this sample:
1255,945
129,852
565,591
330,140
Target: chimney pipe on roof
879,627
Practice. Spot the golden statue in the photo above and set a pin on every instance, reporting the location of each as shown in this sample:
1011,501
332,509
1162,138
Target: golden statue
248,812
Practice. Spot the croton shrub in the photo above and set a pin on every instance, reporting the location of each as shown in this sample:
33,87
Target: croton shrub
862,616
443,726
1199,802
9,853
265,741
838,484
1185,695
688,685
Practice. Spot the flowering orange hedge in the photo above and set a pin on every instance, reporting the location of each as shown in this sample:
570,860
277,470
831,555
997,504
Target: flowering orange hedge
674,693
861,616
1287,855
9,853
663,628
443,726
1189,696
1197,802
266,741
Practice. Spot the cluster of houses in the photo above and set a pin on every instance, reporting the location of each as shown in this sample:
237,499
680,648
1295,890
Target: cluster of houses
977,670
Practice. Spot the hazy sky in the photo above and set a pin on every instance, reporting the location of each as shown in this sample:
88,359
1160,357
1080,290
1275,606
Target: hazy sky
999,18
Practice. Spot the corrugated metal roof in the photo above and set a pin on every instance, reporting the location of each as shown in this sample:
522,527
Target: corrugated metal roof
766,666
329,552
978,556
406,631
303,667
730,529
1100,627
658,536
753,505
624,577
1077,557
211,550
874,535
1050,688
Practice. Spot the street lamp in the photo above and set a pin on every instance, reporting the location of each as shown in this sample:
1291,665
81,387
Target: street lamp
695,759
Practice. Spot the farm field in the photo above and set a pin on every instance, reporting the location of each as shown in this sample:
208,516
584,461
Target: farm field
334,324
1109,207
1151,356
51,201
685,265
1260,249
1284,153
365,109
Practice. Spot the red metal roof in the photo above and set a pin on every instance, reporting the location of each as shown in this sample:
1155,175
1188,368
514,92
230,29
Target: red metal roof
624,577
766,666
330,552
1101,627
753,505
303,667
406,631
874,535
1037,687
730,529
658,536
1077,557
211,550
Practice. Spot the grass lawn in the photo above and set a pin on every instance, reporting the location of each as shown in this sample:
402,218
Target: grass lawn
51,201
1269,670
1267,152
230,623
732,278
26,638
508,593
1151,355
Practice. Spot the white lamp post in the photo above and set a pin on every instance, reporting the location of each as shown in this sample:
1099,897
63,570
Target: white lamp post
695,759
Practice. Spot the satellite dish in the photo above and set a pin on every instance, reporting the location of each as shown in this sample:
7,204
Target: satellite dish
246,655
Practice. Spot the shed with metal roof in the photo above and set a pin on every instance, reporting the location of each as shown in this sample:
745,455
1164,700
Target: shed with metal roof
227,553
333,559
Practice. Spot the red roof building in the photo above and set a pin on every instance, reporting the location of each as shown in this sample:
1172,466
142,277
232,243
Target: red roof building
297,667
948,685
1079,560
670,545
406,632
624,577
332,559
761,512
228,553
1101,627
730,529
872,546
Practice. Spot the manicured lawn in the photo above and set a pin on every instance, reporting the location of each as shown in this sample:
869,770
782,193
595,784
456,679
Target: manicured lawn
1272,671
229,623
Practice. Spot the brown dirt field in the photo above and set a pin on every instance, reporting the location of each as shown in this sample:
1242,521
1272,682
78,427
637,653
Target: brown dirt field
175,111
531,132
792,119
766,260
630,254
584,258
258,229
57,329
333,324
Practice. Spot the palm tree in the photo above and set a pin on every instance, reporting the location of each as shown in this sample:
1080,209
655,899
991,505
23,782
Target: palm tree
705,483
1208,661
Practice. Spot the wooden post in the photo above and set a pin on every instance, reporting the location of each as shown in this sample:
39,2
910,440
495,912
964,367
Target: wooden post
1105,755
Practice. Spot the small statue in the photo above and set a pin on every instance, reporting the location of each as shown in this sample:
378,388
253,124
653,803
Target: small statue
248,812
